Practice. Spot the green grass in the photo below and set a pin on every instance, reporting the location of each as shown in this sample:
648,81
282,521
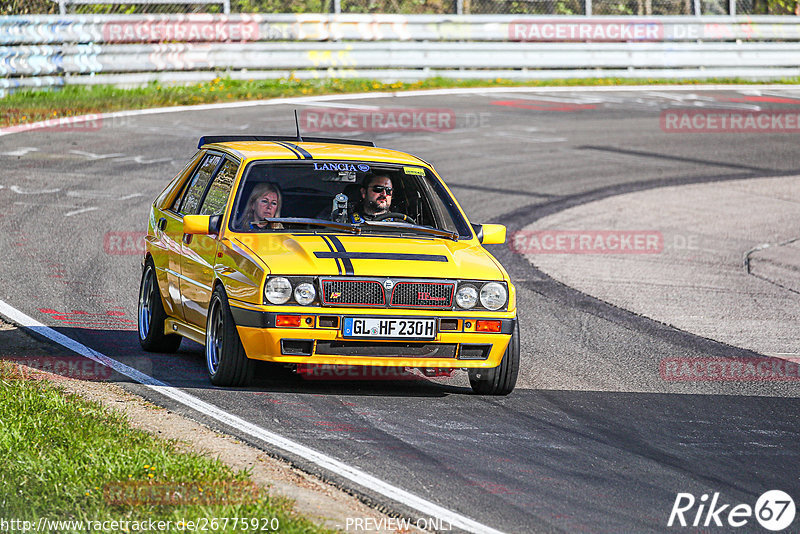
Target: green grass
59,452
35,105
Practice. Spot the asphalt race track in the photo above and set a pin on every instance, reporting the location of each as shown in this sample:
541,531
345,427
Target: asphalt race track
592,440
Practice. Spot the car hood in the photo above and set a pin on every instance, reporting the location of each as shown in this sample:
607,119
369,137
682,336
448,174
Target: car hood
335,254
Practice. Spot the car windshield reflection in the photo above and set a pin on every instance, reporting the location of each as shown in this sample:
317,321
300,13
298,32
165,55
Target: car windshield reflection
353,197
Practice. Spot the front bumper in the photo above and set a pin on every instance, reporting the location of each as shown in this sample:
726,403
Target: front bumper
319,339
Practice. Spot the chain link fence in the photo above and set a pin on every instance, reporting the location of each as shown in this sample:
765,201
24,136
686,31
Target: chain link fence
409,7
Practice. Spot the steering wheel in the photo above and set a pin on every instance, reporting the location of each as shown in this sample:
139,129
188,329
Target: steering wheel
394,215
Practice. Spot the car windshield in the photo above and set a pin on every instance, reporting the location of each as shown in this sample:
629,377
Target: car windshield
330,196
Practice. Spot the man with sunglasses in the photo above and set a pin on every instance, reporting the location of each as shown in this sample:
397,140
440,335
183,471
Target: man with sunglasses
376,198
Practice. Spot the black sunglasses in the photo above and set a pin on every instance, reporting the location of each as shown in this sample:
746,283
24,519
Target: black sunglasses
381,189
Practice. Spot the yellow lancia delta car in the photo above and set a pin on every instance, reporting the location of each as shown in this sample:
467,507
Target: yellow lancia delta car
324,252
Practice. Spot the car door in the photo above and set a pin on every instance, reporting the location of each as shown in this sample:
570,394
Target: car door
200,251
167,232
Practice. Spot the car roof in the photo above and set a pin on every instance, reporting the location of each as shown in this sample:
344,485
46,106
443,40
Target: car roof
291,150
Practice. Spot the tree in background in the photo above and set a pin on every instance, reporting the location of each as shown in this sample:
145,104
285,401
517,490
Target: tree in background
556,7
28,7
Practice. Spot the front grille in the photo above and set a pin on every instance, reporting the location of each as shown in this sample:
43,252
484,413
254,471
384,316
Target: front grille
429,295
386,349
408,293
352,293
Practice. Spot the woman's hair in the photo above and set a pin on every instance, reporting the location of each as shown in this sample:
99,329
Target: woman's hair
259,191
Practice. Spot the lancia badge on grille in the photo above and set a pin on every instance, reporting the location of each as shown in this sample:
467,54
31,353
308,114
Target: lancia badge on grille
335,295
388,284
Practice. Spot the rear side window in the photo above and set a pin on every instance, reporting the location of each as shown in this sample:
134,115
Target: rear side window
198,183
217,197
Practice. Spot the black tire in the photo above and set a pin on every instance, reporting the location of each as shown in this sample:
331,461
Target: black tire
151,315
226,361
499,380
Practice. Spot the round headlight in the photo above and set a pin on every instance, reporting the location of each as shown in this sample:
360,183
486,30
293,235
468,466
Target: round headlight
278,290
305,293
466,297
493,296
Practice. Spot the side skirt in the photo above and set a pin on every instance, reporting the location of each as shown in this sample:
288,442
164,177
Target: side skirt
174,326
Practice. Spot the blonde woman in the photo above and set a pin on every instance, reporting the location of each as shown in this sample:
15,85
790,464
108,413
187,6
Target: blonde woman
265,203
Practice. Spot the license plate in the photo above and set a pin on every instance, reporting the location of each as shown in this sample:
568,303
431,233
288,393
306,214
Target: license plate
389,327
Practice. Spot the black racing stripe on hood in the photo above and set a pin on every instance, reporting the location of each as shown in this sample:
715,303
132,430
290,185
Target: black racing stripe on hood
347,256
342,254
330,247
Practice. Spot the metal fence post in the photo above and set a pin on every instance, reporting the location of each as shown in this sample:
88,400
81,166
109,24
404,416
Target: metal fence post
588,8
731,7
459,7
697,9
226,7
62,7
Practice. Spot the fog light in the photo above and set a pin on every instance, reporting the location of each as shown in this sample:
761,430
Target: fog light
305,293
487,326
466,297
287,320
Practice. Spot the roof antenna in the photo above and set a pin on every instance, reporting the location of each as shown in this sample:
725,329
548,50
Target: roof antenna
297,124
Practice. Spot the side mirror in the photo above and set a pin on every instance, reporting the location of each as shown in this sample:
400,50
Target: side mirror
197,224
493,234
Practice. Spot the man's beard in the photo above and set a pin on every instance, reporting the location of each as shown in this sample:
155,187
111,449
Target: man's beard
376,208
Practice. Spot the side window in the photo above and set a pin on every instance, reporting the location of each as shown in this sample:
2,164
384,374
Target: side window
217,196
176,204
197,185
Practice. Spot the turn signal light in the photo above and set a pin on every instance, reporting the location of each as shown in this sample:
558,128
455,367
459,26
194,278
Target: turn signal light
487,326
287,320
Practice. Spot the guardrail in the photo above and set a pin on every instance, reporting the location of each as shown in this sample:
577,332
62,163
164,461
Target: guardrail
56,50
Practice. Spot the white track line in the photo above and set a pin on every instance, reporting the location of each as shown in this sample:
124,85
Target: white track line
326,462
306,100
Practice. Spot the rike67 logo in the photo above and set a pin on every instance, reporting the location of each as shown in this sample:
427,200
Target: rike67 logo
774,510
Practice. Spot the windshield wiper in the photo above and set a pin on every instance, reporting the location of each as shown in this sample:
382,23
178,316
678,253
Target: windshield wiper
421,229
316,222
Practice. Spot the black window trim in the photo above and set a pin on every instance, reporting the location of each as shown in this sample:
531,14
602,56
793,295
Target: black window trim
225,157
186,185
182,189
210,180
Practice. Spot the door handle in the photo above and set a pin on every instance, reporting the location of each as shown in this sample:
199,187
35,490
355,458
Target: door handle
187,238
162,223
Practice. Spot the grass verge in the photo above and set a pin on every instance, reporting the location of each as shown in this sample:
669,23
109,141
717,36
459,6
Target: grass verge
63,458
36,105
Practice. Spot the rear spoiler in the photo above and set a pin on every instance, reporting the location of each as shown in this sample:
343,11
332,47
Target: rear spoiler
207,139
